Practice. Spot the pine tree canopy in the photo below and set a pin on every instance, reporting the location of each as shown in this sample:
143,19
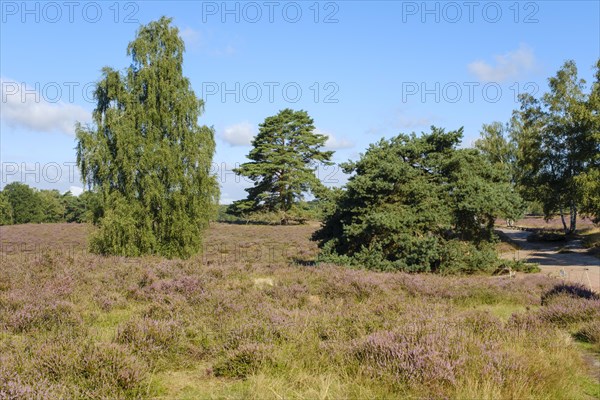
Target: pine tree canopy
285,155
418,204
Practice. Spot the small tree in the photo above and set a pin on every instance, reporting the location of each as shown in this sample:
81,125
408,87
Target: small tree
285,155
146,155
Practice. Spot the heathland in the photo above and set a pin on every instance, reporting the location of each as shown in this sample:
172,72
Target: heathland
256,317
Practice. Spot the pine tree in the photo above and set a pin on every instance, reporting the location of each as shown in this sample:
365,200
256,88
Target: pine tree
285,155
418,204
146,155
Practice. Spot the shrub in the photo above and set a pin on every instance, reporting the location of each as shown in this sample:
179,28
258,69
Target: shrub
573,290
590,333
564,310
542,236
44,316
110,365
150,337
464,257
98,370
244,361
410,359
13,387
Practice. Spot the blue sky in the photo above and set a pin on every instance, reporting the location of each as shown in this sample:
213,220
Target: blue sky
362,70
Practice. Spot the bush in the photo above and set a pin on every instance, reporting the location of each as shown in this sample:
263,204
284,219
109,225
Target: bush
590,333
243,362
150,337
572,290
516,266
418,204
44,316
410,359
464,257
564,310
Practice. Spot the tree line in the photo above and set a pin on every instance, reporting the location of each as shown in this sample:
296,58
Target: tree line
21,204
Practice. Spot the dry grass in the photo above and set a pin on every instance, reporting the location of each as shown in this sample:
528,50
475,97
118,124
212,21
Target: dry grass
254,318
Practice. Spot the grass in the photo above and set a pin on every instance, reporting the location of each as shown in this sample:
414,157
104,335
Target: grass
253,317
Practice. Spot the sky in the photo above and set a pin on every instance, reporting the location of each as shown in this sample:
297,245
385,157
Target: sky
363,70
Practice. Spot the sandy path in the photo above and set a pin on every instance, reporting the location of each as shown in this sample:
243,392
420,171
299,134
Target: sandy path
577,266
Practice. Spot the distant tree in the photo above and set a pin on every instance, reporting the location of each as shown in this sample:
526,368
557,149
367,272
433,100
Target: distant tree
25,202
146,155
496,144
286,152
92,203
74,207
53,208
6,212
83,208
418,204
556,144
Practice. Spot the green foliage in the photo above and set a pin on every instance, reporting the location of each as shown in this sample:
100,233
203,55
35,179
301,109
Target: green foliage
418,204
47,206
25,202
558,141
146,156
224,216
497,145
83,208
300,212
283,161
504,266
74,208
6,211
53,207
589,181
534,208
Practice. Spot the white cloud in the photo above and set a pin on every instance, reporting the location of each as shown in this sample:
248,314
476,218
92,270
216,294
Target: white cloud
400,120
240,134
22,107
507,66
334,143
191,37
75,190
226,51
413,122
